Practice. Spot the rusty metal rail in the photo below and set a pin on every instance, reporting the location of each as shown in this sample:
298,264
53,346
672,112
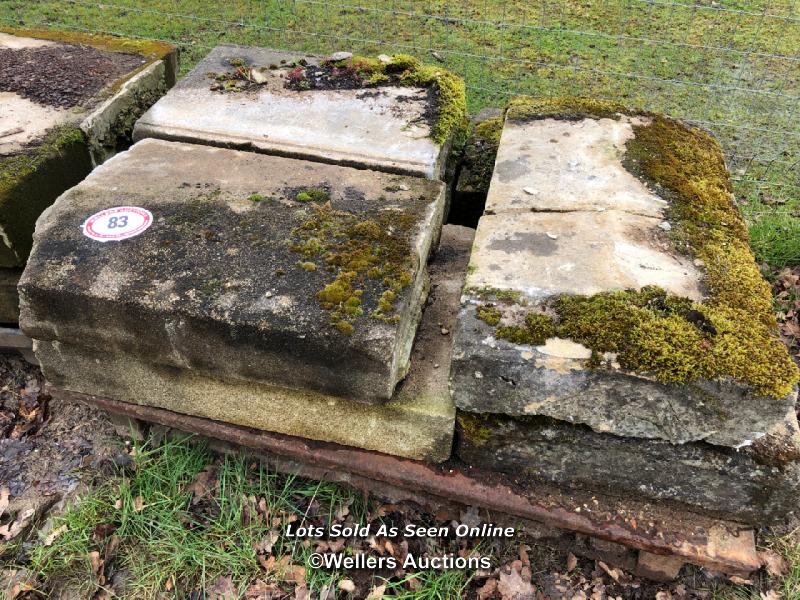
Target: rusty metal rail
701,540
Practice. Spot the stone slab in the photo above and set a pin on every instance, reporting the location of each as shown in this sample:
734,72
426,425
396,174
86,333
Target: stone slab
569,216
47,143
557,165
746,486
383,128
556,379
416,423
544,254
230,279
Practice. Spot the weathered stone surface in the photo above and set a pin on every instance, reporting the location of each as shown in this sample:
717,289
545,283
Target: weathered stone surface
569,217
9,298
383,128
543,254
416,423
557,165
556,379
48,141
259,268
743,486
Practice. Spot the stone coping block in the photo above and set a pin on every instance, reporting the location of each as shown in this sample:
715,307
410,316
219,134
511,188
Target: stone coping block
386,128
258,268
756,486
611,284
416,423
69,101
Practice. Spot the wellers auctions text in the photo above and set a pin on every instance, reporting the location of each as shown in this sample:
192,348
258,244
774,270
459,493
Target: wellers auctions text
340,530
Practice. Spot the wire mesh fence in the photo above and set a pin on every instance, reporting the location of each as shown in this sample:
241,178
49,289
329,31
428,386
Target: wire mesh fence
732,66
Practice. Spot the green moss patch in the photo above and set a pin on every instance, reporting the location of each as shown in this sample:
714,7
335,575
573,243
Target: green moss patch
731,334
18,166
357,254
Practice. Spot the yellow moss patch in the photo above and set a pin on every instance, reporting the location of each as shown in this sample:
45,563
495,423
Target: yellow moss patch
473,429
362,254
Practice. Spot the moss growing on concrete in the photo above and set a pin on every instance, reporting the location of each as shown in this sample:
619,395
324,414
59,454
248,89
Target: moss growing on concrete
31,180
370,260
151,49
528,108
473,427
732,333
401,69
479,155
16,167
312,195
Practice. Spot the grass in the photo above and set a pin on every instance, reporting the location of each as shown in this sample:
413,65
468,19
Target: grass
150,523
178,520
730,66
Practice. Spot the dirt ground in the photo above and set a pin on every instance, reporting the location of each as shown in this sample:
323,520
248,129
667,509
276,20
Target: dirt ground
62,76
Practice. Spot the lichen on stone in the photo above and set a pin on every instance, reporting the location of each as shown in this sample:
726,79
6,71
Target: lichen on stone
368,261
732,332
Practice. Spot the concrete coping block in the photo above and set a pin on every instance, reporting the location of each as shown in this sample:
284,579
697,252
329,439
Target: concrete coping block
611,283
259,268
396,116
417,422
68,100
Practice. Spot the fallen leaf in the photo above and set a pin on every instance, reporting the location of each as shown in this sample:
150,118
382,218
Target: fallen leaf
222,589
572,561
347,585
740,580
614,573
376,592
260,589
12,529
51,537
773,562
770,595
513,587
301,592
138,504
203,484
266,544
488,590
523,555
4,495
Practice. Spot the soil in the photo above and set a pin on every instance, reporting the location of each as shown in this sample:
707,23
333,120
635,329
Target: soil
62,76
47,447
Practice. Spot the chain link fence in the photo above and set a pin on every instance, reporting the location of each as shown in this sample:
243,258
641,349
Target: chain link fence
732,66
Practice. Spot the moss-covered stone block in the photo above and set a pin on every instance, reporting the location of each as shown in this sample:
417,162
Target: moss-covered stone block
397,115
317,286
69,102
611,284
417,422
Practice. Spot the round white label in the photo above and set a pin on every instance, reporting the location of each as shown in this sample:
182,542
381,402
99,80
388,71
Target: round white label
118,223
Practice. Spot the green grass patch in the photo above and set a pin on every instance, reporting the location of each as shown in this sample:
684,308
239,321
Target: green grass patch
161,525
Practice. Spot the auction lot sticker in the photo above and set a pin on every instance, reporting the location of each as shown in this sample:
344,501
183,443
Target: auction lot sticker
118,223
